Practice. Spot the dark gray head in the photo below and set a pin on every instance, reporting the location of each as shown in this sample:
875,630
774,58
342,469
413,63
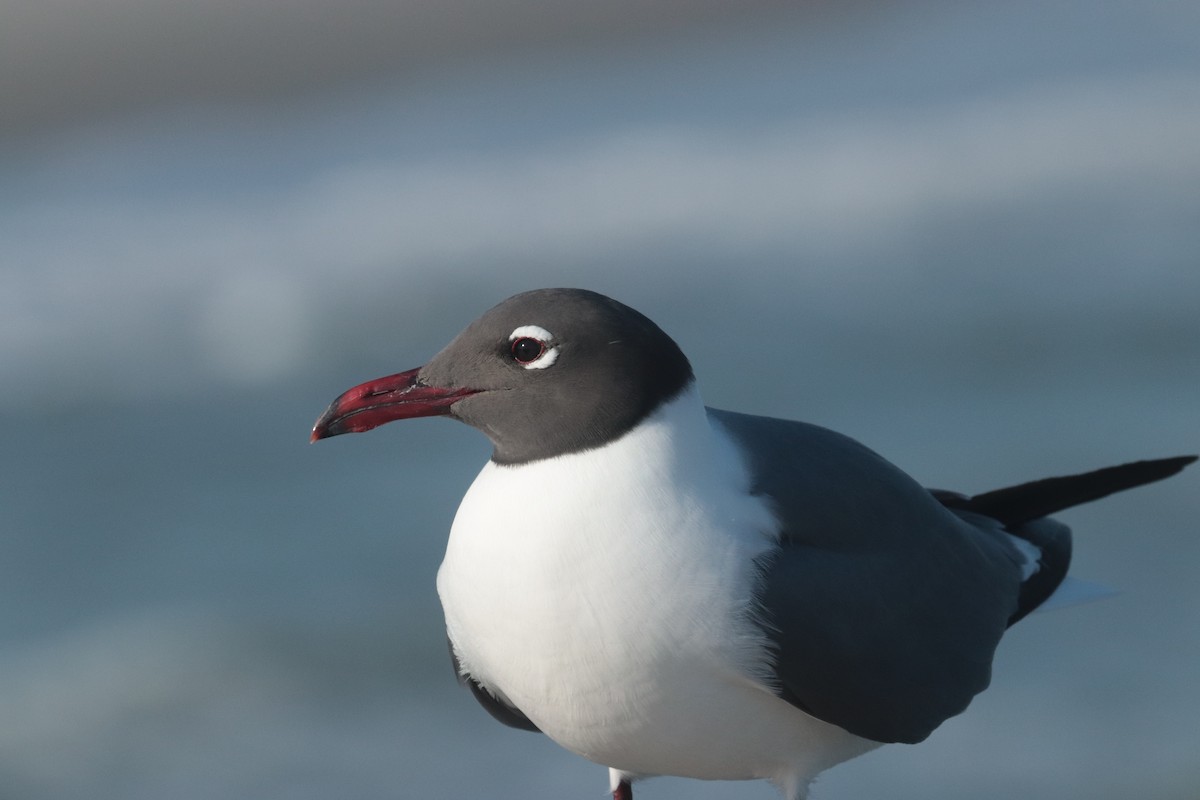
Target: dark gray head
544,373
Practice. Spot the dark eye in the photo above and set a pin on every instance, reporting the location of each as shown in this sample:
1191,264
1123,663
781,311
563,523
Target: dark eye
526,350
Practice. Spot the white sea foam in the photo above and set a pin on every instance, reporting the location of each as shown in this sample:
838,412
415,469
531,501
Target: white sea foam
233,289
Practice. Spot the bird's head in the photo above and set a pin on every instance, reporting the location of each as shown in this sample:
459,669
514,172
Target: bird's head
544,373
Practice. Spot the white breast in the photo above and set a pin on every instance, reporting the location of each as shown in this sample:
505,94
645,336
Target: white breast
607,594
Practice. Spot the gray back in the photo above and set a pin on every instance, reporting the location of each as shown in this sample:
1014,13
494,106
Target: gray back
884,607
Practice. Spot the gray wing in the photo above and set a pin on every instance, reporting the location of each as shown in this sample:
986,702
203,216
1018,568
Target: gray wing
884,607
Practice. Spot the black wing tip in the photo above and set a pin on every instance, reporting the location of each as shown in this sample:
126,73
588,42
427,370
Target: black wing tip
1153,469
1148,470
1174,464
1016,505
1139,473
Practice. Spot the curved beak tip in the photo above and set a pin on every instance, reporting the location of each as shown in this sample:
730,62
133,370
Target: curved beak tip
383,400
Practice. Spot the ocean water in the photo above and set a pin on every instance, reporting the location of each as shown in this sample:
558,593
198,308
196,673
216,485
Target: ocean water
967,235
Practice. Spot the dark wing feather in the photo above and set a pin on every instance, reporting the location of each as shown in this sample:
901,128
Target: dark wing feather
884,608
885,601
510,715
1029,501
1024,509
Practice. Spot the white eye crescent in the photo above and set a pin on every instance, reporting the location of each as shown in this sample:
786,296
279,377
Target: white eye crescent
532,347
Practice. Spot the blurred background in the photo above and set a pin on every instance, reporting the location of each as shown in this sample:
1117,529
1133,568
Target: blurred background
967,234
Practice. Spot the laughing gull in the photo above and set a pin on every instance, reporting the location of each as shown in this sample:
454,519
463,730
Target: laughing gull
669,589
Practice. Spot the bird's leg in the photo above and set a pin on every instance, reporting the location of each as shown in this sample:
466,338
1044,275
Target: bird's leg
624,791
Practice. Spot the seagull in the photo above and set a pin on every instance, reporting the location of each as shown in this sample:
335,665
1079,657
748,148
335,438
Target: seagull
669,589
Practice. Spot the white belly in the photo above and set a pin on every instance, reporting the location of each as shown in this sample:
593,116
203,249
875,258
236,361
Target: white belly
615,613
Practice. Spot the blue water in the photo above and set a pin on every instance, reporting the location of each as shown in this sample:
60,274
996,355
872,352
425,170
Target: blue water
968,236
